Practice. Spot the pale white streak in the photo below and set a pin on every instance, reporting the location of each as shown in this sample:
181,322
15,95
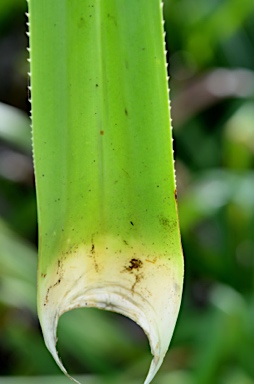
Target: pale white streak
149,293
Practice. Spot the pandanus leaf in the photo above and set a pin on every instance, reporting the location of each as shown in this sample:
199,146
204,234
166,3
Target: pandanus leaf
108,225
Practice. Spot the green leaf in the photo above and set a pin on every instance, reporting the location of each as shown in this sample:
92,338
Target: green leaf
108,225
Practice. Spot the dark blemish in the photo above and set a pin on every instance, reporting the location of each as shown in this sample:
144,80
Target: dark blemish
134,264
164,221
125,242
59,268
48,291
112,18
97,85
47,296
71,249
132,223
167,224
81,22
43,275
138,278
43,175
101,132
175,193
94,255
127,174
126,111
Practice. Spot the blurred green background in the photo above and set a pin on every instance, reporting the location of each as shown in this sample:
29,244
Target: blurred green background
211,63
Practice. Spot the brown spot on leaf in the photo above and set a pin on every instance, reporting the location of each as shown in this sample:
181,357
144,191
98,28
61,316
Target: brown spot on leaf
81,22
46,298
112,18
167,224
134,264
93,254
138,278
58,282
101,132
164,222
49,289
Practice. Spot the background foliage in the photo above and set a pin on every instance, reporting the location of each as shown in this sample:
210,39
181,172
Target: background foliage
211,63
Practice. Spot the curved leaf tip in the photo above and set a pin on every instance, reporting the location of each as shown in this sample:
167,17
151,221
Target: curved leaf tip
148,292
